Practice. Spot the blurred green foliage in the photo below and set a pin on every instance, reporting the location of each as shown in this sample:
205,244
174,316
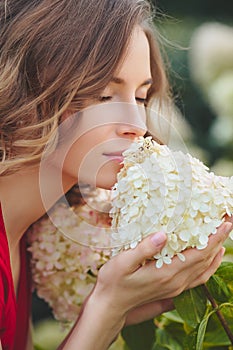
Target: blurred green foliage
197,8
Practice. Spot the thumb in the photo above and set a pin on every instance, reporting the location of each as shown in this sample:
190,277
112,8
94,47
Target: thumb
146,249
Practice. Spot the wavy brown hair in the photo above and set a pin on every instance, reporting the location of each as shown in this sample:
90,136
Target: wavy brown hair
57,55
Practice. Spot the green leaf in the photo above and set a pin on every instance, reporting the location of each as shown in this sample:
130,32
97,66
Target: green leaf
190,340
225,272
219,289
165,341
216,338
173,316
191,306
176,331
202,330
140,336
227,310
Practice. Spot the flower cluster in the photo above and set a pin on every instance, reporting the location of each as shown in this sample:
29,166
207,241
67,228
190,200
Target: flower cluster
211,66
211,52
64,271
157,190
163,190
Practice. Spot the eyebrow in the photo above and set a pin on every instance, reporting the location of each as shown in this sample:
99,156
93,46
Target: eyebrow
117,80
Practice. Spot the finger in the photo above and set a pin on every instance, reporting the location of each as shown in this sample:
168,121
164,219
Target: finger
230,220
226,227
221,235
204,277
146,249
197,256
148,311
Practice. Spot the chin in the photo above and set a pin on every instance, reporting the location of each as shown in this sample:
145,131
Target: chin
106,181
107,176
106,185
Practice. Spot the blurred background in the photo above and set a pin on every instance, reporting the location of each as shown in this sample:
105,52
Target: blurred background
198,42
198,39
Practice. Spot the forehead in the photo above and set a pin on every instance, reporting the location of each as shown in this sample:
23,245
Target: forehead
136,61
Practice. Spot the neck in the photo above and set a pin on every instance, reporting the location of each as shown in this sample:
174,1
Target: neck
25,197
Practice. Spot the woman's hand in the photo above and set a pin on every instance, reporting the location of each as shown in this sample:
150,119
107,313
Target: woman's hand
130,291
136,289
153,309
148,311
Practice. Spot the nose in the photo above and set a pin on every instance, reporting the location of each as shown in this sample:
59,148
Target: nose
132,122
130,130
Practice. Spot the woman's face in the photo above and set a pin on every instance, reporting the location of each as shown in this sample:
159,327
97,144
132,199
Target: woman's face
106,128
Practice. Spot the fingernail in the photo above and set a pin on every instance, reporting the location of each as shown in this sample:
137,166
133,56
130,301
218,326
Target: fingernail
229,219
159,238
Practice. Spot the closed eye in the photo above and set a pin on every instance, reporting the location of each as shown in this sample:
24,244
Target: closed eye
142,101
105,98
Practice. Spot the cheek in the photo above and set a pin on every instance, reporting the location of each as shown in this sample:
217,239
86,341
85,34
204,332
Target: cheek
82,161
73,156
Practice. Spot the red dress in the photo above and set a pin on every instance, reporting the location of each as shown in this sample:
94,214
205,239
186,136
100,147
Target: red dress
14,315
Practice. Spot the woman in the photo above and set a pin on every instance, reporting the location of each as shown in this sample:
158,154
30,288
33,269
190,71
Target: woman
75,79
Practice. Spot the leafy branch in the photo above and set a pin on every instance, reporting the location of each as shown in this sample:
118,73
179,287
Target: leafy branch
218,313
194,325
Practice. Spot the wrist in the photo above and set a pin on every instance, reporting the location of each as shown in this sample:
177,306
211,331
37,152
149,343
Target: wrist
98,325
107,308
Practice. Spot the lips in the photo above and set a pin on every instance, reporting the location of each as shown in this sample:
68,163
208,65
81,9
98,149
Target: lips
115,156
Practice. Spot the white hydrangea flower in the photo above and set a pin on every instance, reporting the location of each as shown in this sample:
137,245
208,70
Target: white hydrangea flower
64,272
220,94
211,52
163,190
211,66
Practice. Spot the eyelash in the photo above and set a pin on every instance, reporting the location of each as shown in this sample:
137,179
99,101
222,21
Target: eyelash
105,98
108,98
143,101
